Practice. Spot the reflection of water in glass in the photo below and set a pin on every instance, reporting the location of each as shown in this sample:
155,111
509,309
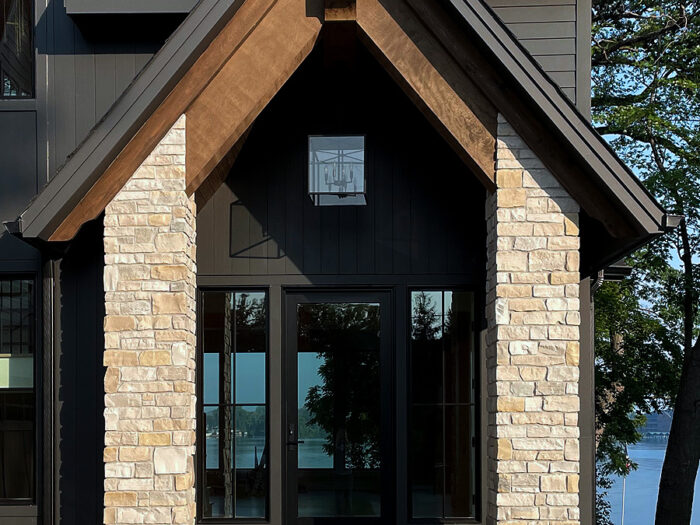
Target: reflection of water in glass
245,451
643,487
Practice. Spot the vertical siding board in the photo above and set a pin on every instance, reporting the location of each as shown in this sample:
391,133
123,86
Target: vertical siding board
365,219
295,201
64,87
312,237
256,202
348,241
418,220
330,239
402,220
105,82
85,78
383,212
276,210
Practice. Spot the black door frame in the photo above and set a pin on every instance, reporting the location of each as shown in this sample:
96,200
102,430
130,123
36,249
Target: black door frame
385,298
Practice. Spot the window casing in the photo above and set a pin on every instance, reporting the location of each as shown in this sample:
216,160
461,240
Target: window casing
233,411
17,389
16,49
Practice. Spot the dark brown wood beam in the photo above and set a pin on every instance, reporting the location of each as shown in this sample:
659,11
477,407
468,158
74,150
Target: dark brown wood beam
452,101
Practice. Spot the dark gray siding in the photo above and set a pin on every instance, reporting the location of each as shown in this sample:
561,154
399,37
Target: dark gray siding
18,174
425,211
557,34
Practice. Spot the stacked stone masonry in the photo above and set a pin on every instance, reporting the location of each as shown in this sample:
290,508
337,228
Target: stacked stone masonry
532,341
149,279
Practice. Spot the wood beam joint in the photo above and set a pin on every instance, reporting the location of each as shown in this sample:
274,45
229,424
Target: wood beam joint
339,10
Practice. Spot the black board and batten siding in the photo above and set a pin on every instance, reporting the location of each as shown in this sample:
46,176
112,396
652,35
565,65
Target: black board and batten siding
557,34
424,218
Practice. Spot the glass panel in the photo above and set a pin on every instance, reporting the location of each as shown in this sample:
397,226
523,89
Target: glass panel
441,446
425,461
459,465
251,452
337,170
426,346
234,326
339,410
16,50
458,344
211,379
16,445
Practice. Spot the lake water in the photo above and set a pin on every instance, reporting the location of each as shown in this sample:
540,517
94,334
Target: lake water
643,487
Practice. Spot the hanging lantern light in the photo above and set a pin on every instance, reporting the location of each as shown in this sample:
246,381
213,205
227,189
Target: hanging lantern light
337,170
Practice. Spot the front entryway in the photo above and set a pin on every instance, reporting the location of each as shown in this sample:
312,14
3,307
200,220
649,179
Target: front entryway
338,407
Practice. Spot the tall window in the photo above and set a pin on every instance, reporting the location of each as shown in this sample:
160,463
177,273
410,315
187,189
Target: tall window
233,412
16,49
17,396
442,440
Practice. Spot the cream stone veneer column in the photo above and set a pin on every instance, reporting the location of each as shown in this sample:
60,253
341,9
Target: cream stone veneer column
532,342
149,278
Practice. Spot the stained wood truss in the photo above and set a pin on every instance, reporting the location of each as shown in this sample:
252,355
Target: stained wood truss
257,52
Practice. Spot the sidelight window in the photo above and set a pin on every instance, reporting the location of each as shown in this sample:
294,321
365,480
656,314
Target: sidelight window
16,49
233,418
17,389
442,439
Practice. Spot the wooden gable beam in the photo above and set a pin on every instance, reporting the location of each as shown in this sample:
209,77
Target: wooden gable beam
524,119
234,98
231,38
433,80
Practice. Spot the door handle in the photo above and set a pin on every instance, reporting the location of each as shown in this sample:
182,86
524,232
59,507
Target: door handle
292,435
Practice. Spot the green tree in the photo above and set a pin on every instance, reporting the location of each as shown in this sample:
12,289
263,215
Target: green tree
646,74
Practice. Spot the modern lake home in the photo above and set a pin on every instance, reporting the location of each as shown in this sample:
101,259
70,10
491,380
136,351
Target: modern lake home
307,262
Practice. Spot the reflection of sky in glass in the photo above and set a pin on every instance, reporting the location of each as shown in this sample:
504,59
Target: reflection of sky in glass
211,378
309,363
250,378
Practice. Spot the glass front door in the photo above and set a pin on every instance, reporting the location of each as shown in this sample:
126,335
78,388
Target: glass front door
338,408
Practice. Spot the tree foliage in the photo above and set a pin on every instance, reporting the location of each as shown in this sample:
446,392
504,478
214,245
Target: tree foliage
646,101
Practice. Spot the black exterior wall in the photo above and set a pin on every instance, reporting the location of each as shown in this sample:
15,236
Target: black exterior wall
424,219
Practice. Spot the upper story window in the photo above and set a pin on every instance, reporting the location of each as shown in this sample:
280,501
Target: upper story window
16,49
17,389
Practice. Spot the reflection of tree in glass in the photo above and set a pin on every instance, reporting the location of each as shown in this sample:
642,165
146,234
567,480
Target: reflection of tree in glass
250,322
425,319
346,405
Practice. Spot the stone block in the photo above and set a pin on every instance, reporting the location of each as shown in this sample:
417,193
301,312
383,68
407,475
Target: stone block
170,460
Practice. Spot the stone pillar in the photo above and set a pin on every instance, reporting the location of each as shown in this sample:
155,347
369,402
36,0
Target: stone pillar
532,353
149,279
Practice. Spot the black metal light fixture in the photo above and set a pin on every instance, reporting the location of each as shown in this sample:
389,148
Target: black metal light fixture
337,170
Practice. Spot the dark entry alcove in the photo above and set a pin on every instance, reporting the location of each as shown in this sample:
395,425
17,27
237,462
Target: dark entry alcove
425,209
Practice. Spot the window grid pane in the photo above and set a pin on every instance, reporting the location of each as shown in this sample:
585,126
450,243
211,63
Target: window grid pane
442,422
17,397
235,411
16,49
